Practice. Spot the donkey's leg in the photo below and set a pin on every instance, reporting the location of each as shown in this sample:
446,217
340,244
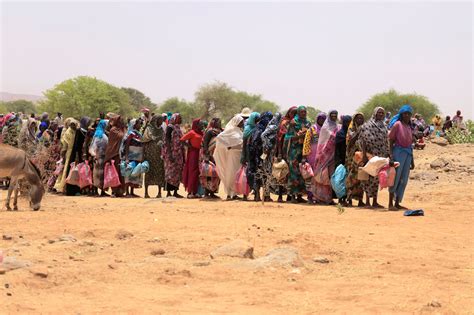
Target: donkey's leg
11,186
15,196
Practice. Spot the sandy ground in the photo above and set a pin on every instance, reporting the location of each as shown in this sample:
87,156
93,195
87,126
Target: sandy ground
379,262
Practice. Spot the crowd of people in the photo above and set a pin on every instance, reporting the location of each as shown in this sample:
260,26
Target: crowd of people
284,155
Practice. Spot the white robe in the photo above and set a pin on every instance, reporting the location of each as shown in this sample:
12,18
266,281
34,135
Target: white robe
227,164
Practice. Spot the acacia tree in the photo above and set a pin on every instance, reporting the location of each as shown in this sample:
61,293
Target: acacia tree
86,96
392,101
175,105
138,100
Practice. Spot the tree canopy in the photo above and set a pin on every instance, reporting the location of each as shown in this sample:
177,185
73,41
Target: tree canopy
175,105
391,101
138,100
23,106
86,96
220,100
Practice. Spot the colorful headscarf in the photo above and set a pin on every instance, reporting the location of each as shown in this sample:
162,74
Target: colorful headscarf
100,130
405,109
196,126
250,124
316,126
270,134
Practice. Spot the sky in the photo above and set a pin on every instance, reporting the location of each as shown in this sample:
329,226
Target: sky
322,54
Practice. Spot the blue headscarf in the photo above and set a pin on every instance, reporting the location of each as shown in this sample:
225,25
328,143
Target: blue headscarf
99,131
250,124
405,109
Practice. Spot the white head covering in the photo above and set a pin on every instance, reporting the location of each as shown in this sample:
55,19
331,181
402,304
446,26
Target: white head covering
232,135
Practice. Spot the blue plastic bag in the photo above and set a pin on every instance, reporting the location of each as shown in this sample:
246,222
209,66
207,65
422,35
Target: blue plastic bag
338,181
414,213
141,168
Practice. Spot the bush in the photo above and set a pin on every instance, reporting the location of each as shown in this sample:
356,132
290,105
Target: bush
456,135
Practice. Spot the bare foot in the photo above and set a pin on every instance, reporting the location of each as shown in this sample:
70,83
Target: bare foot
400,207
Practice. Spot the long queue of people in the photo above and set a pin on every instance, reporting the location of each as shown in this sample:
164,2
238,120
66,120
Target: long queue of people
255,154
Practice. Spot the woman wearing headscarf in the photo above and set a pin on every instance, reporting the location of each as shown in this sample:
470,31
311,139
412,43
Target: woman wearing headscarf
99,145
132,151
227,154
67,144
374,142
295,138
353,188
173,155
193,139
255,172
52,138
11,130
284,124
249,126
341,147
401,150
310,148
210,184
325,160
270,148
77,153
152,144
27,140
115,133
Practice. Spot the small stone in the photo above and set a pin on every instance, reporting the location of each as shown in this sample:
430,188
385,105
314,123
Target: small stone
321,260
9,294
123,235
41,272
112,266
67,238
237,248
87,243
278,257
2,271
11,263
157,252
51,241
434,303
154,240
201,264
7,237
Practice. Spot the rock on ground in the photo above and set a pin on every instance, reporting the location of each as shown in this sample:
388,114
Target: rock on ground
237,248
424,176
39,271
321,260
67,238
123,235
279,257
439,163
440,141
11,263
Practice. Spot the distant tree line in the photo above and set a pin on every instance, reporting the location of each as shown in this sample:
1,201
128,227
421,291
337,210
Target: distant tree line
87,96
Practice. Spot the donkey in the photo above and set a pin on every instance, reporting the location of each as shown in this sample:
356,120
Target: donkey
15,165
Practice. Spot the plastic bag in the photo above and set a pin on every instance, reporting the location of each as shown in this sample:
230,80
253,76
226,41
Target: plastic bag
306,170
93,147
208,169
127,169
387,177
241,186
141,168
280,171
59,168
73,177
374,165
111,177
323,177
85,174
338,181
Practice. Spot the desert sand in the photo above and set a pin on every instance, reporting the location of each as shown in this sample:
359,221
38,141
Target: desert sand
378,261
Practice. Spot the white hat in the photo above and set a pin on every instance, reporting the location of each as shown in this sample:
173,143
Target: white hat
246,112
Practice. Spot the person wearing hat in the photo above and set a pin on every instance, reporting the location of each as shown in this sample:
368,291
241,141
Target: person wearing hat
245,113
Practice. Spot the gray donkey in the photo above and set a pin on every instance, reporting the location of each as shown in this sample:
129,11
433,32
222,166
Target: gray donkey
15,165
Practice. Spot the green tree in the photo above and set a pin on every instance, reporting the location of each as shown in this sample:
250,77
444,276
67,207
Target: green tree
138,100
187,110
391,101
22,106
86,96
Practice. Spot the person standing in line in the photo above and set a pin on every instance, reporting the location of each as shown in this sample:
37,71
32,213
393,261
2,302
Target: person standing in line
193,139
374,142
228,153
173,155
152,146
401,150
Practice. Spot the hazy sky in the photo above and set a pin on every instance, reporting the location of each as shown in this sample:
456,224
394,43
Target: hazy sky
321,54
